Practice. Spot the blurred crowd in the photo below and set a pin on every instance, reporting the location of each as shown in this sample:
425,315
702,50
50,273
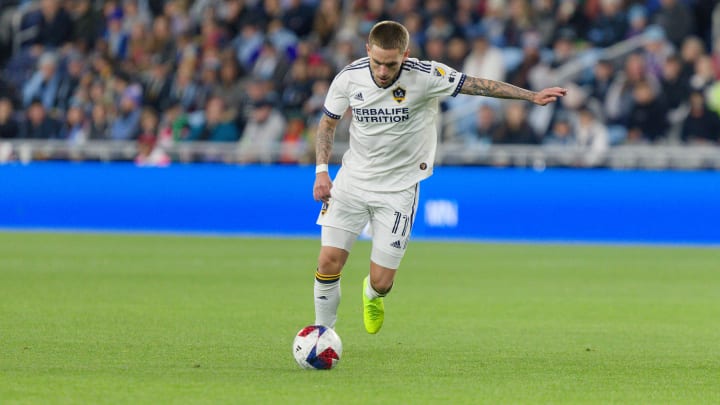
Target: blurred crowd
255,72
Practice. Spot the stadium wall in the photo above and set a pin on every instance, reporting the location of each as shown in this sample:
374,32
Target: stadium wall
456,203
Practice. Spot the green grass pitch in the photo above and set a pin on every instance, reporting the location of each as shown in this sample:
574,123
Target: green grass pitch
98,318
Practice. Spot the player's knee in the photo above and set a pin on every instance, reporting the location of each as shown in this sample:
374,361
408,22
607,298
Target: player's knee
331,263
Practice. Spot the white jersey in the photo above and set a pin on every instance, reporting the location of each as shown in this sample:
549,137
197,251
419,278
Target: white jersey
393,133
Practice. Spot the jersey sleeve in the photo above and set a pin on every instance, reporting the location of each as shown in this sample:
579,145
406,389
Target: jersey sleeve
337,100
444,80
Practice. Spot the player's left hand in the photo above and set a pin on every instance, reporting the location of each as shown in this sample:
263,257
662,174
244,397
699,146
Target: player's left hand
549,95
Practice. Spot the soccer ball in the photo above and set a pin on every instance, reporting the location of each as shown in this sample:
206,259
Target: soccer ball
317,347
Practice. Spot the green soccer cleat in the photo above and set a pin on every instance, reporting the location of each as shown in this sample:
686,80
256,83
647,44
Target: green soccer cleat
373,311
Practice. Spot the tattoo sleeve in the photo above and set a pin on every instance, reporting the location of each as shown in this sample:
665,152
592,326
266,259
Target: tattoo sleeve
492,88
324,139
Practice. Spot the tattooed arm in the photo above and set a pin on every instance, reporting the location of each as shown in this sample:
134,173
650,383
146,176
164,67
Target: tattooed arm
492,88
324,139
323,149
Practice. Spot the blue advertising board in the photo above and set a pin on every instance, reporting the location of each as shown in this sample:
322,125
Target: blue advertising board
456,203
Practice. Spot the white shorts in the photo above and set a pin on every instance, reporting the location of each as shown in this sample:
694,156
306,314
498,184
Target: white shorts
390,215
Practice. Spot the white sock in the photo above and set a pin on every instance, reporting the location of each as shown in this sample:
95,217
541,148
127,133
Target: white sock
371,293
327,301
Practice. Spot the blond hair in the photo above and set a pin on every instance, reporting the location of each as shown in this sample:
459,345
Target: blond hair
389,35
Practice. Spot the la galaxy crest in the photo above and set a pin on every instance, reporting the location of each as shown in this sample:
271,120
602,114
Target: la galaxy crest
399,94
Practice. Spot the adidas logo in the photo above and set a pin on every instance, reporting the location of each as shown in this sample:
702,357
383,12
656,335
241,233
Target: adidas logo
322,297
359,96
396,244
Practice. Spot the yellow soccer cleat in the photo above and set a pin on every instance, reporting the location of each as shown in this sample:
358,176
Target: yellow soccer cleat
373,311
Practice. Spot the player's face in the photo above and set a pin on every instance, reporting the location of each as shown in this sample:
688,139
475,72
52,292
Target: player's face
385,64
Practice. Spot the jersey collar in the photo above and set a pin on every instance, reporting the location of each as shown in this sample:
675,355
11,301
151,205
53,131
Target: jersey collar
389,84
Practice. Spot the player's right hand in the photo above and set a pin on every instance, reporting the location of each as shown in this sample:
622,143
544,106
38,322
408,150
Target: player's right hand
321,189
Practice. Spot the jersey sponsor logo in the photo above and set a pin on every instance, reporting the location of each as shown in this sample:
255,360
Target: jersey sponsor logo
399,94
439,71
381,115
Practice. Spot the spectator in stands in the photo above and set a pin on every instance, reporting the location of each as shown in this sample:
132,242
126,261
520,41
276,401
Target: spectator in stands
216,126
231,89
656,50
519,76
457,51
174,126
87,24
592,138
675,18
75,128
515,128
413,21
520,22
263,132
299,18
704,75
569,15
691,51
134,14
368,14
270,64
9,127
126,123
546,71
7,90
116,36
435,49
148,152
441,27
284,40
69,81
561,131
297,88
675,88
51,23
37,124
208,81
701,126
248,45
648,116
543,15
184,88
465,17
637,20
313,106
326,22
487,123
343,51
292,145
484,59
599,84
161,42
43,84
177,14
620,100
156,84
610,27
99,129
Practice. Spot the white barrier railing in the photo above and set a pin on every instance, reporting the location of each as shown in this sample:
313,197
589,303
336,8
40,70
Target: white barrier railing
538,157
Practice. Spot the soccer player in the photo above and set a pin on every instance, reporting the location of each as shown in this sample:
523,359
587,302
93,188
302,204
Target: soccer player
393,137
